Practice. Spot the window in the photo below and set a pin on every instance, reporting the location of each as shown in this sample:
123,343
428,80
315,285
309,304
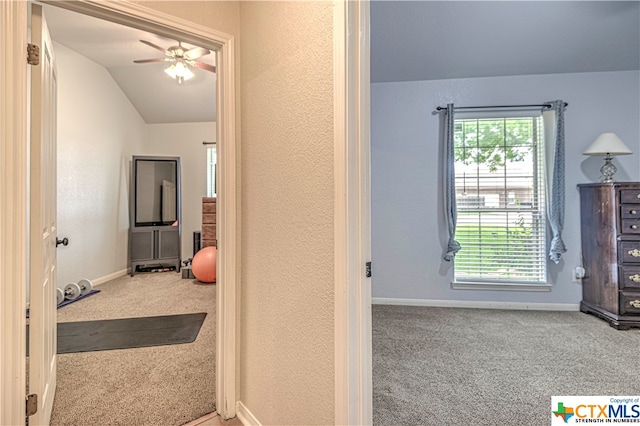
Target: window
500,198
211,171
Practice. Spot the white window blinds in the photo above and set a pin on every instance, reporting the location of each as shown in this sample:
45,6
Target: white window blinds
501,216
211,171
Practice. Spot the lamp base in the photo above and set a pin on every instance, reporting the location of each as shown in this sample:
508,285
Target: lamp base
608,170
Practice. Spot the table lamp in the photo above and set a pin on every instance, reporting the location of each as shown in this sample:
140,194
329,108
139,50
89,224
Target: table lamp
608,144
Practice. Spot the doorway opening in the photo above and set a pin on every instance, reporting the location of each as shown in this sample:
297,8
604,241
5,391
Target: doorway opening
169,27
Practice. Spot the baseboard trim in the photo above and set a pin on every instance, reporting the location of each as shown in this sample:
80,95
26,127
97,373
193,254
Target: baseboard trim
104,279
477,304
202,419
245,415
110,277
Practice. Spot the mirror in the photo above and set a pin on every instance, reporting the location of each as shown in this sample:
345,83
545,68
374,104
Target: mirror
156,200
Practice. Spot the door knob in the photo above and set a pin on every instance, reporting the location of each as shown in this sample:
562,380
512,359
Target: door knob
64,241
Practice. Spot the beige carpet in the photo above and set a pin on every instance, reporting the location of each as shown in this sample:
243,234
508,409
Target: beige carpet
161,385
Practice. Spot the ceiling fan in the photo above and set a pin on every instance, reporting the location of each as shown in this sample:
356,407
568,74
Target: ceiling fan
181,59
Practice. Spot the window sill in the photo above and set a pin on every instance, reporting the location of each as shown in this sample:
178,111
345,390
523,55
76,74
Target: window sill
470,285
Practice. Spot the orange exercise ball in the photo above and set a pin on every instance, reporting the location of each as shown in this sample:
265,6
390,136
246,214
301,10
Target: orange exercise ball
203,265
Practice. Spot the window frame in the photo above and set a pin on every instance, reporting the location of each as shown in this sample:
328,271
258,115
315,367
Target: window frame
212,170
539,176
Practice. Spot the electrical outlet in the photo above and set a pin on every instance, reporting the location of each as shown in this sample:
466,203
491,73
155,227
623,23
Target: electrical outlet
578,274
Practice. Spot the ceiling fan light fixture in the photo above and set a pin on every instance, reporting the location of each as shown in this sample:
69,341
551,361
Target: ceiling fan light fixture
179,71
181,60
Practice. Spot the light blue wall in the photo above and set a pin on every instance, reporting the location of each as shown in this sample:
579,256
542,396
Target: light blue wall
408,226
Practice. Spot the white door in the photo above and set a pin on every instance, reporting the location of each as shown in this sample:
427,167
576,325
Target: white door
42,228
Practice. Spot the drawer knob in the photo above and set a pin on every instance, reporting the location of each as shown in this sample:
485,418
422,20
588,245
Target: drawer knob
634,226
635,303
635,278
633,212
634,252
638,196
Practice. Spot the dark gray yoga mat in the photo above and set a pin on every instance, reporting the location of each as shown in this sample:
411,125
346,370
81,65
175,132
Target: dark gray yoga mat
103,335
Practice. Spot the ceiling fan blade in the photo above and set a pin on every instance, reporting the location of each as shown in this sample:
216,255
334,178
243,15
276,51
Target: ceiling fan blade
145,61
196,52
204,66
148,43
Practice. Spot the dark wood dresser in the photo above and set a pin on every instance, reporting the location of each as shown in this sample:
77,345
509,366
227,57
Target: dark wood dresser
209,222
610,227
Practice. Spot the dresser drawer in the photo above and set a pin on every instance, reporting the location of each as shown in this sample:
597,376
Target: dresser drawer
630,226
208,232
630,277
630,211
629,251
630,196
629,303
209,218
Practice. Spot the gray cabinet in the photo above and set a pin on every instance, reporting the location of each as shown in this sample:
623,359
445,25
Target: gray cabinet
155,213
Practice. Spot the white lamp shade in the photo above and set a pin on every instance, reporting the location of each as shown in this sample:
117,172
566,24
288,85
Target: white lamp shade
608,143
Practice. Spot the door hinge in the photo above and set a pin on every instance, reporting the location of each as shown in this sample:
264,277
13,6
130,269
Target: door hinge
33,54
367,269
32,404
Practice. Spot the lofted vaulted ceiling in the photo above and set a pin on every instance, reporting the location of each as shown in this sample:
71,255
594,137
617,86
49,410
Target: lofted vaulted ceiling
157,97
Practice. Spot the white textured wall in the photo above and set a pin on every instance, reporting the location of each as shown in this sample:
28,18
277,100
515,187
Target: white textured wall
408,226
98,131
184,140
287,339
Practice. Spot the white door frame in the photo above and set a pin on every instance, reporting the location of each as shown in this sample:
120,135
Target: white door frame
13,190
352,227
13,210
